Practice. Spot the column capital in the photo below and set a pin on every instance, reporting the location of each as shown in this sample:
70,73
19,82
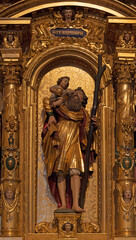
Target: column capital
124,72
12,73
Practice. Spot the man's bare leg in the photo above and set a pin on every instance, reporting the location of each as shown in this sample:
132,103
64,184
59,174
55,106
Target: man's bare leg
62,190
75,187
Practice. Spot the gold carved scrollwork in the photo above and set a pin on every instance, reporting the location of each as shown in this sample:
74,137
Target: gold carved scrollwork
10,199
82,227
44,38
46,227
87,227
65,18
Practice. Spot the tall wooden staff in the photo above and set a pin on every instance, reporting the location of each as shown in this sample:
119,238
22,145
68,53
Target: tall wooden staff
91,129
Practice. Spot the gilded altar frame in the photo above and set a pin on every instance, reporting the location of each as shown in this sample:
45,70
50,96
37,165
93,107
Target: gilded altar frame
119,55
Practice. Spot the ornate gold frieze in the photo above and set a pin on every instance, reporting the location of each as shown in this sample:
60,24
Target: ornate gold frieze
57,28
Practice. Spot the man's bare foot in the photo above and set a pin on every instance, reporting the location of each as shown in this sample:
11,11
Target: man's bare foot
78,209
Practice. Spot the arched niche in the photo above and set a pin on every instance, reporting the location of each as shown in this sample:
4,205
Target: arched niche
39,72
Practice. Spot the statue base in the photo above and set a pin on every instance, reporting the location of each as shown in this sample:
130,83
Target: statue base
67,220
67,224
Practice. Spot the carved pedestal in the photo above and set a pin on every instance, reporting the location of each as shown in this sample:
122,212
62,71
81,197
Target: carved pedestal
67,225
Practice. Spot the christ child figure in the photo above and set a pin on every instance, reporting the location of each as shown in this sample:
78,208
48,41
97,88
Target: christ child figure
59,91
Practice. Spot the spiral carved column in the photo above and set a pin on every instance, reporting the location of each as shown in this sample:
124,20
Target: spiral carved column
125,152
10,181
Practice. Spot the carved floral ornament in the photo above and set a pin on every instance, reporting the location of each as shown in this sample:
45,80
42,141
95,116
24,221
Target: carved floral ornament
64,27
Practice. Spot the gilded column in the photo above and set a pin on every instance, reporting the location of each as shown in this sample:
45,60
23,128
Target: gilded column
125,152
10,181
14,34
120,43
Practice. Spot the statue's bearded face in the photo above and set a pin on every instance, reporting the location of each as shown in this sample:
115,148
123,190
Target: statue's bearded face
74,103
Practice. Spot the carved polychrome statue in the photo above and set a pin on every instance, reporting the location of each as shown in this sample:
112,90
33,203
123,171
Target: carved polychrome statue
64,141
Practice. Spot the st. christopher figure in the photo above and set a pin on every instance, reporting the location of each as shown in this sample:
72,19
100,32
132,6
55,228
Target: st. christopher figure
64,142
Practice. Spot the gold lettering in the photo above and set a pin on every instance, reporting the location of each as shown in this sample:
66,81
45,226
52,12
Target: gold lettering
68,32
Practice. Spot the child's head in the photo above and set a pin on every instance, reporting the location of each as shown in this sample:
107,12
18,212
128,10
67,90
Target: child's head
63,82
